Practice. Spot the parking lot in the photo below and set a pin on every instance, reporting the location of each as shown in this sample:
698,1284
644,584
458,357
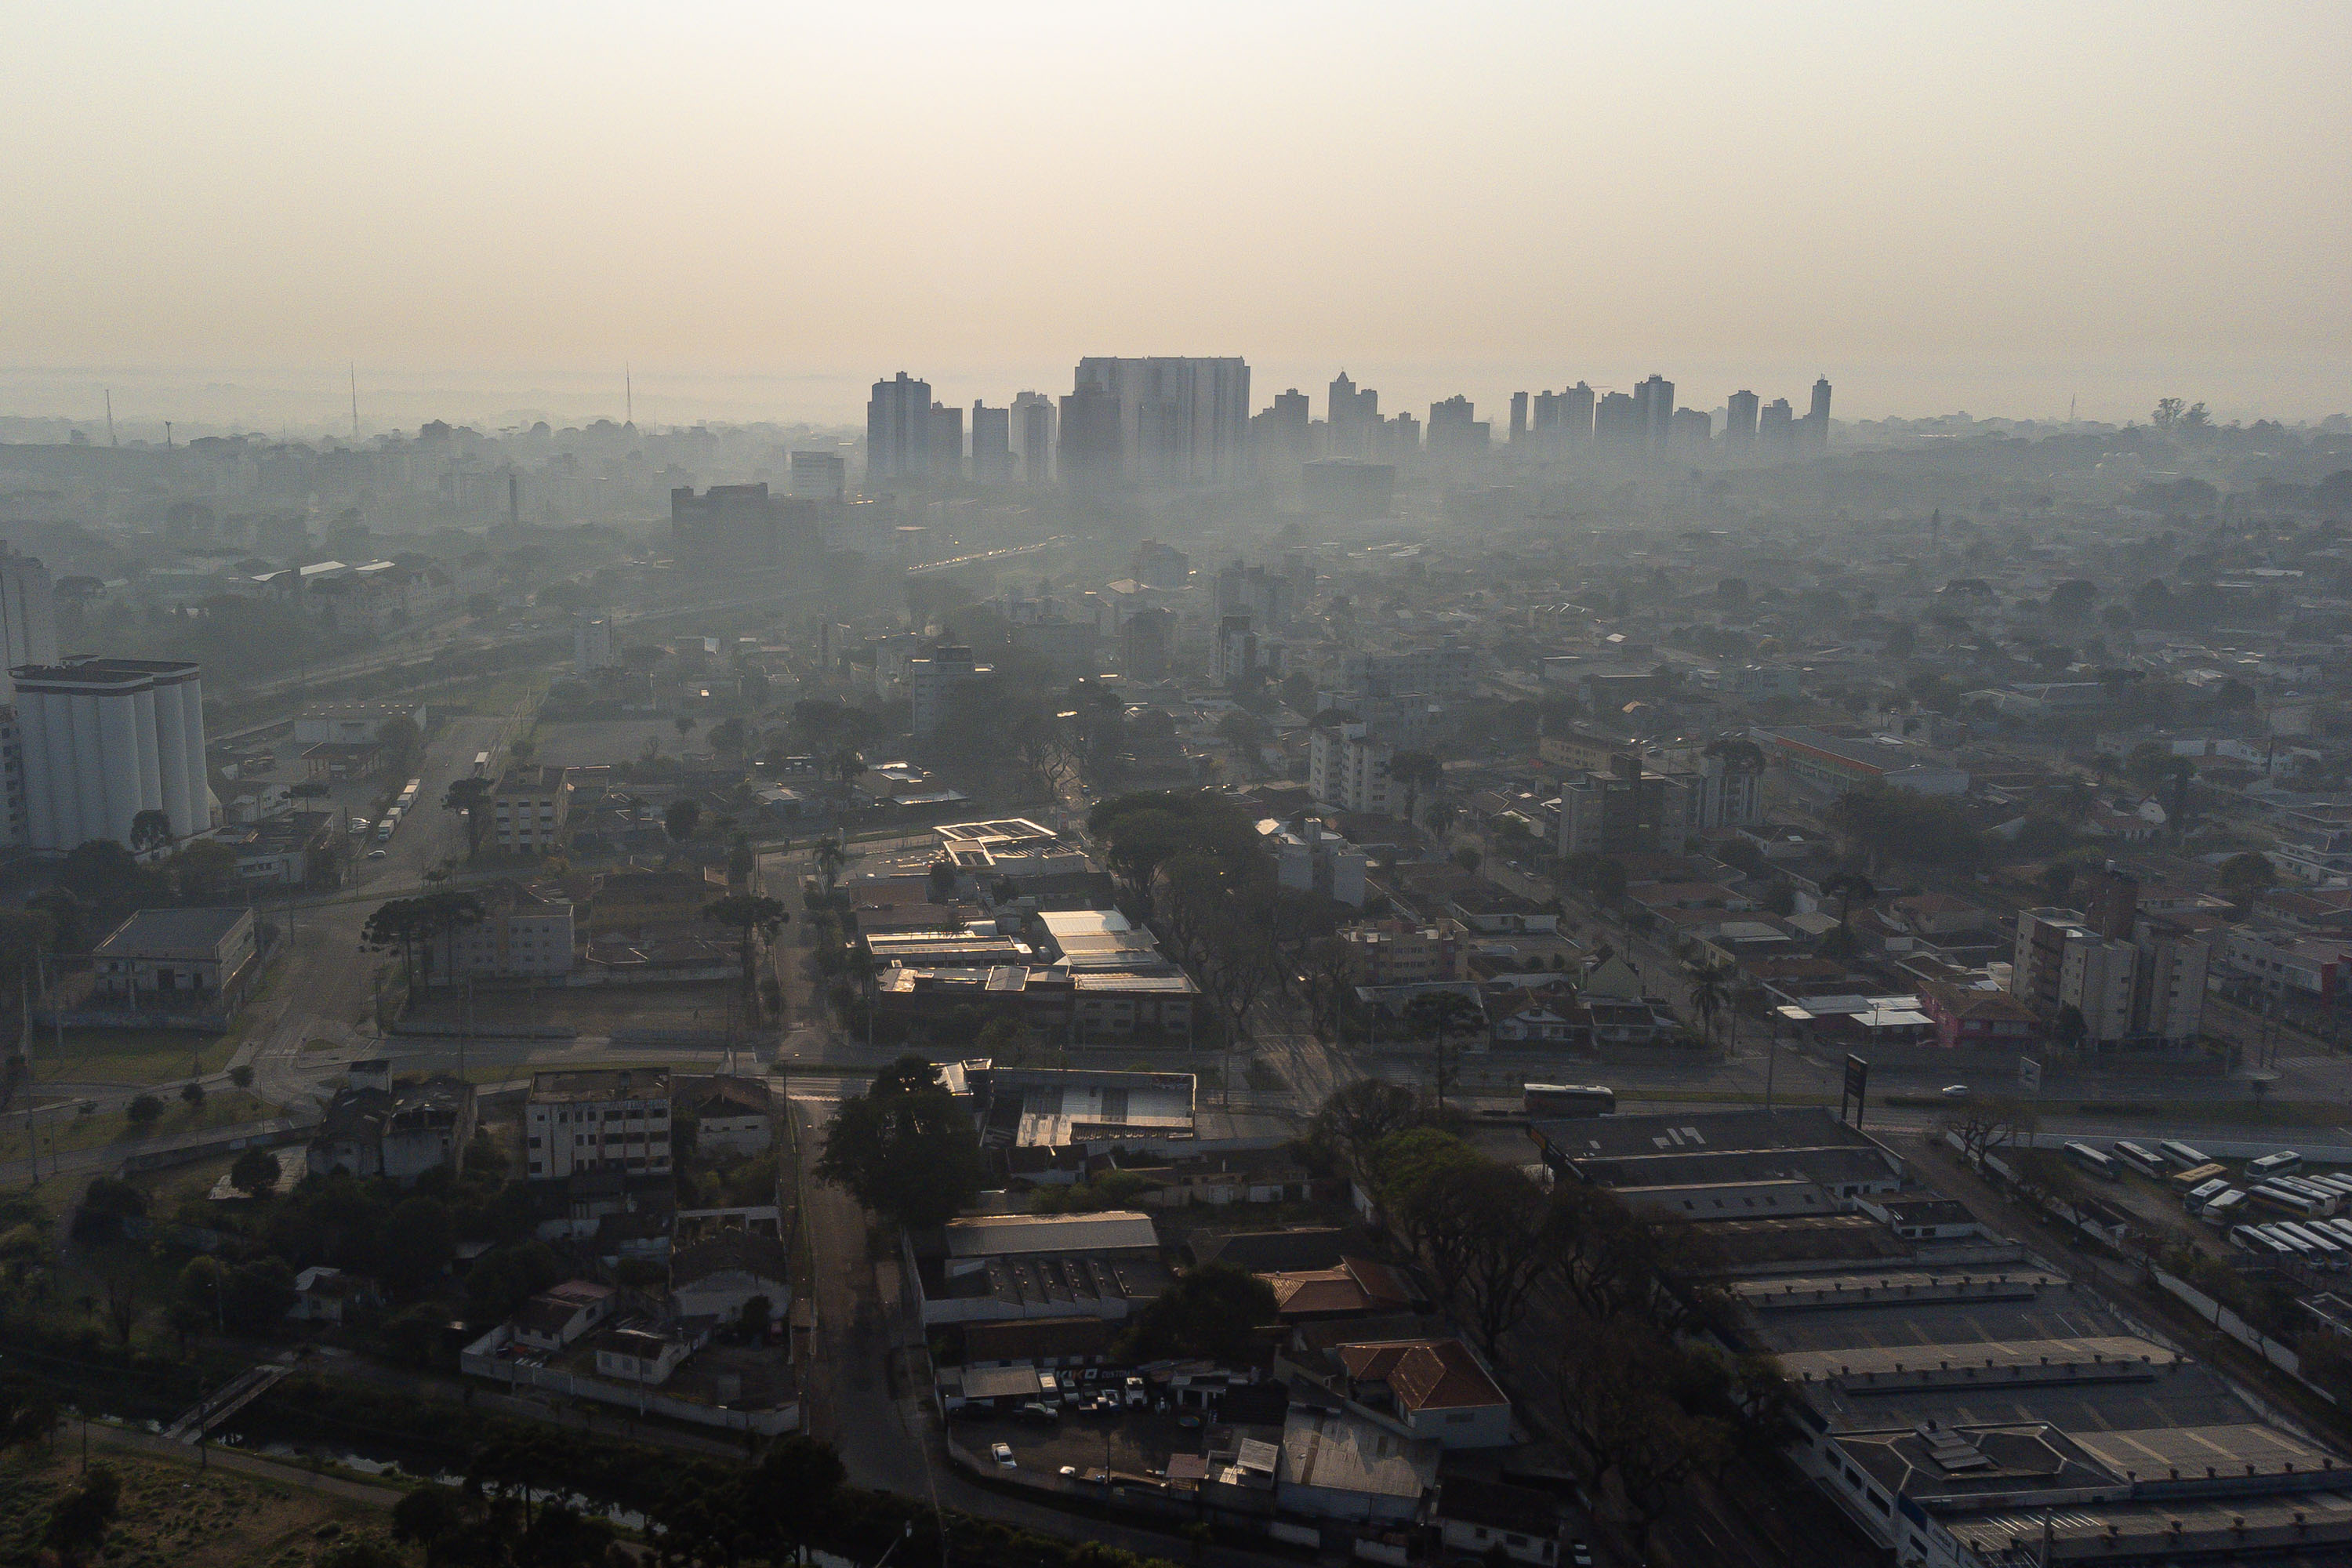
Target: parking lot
1133,1442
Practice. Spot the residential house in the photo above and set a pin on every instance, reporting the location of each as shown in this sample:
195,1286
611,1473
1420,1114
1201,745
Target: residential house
718,1278
375,1127
561,1314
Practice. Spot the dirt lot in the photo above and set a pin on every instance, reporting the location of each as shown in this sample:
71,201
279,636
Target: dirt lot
699,1006
178,1515
573,743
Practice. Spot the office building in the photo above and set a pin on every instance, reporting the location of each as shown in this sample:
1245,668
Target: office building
105,739
740,528
529,807
1033,419
1817,419
1158,422
1654,406
991,444
1352,418
820,476
1740,422
28,616
936,680
597,1118
899,430
1348,770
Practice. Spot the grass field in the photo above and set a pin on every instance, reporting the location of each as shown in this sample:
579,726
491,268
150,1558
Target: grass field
225,1108
178,1515
128,1055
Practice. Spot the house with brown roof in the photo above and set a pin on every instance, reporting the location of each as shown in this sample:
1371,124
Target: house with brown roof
1355,1289
1431,1388
1966,1016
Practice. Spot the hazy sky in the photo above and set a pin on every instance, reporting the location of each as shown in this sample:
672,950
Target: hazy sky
763,206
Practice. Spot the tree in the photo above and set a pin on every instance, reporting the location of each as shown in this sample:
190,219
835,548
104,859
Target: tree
78,1522
434,1517
683,816
241,1076
1211,1312
1710,986
143,1111
1985,1123
472,796
1417,770
1504,1223
29,1414
504,1278
1356,1116
193,1093
1846,887
204,873
2243,876
904,1148
2071,1029
258,1295
2073,599
1413,1174
150,830
829,857
255,1173
788,1497
1441,1015
752,919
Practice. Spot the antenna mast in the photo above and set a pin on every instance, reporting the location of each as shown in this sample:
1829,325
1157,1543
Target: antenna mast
355,401
110,417
628,394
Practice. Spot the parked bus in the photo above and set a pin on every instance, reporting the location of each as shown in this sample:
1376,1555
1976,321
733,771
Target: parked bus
2339,1229
2223,1208
2181,1155
2246,1238
2303,1251
2100,1165
2197,1197
481,764
1569,1099
2280,1201
2342,1184
383,830
2140,1159
2277,1165
2328,1199
2197,1175
2330,1248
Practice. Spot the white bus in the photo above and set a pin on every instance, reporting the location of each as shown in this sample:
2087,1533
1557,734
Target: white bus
2180,1154
2223,1208
2197,1197
1568,1098
2142,1160
2280,1201
2100,1165
2303,1251
2328,1199
2277,1165
2330,1248
2246,1238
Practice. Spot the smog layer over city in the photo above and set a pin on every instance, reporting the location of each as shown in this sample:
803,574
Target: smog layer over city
1229,785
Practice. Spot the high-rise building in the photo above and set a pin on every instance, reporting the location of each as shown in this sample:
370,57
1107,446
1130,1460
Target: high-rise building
819,476
1032,428
1575,414
1287,437
1092,453
1455,431
1817,418
1653,401
1180,422
1519,418
991,444
899,430
1353,418
1775,428
1740,422
947,441
1690,430
740,528
593,644
935,681
1348,768
1617,424
107,739
29,613
1398,439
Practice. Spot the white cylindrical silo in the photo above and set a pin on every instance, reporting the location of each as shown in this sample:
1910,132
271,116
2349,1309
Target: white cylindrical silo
49,764
171,762
142,737
88,780
118,718
190,693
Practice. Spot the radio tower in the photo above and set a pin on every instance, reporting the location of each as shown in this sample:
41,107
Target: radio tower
628,396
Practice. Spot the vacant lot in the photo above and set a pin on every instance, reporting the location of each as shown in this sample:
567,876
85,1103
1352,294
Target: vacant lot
128,1055
177,1515
580,742
225,1108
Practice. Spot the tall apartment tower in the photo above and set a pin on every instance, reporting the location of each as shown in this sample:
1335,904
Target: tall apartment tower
1817,418
991,444
1033,426
1775,428
1653,400
1287,430
1352,416
1575,414
28,615
899,430
1180,421
1617,425
947,441
106,739
1740,423
1519,418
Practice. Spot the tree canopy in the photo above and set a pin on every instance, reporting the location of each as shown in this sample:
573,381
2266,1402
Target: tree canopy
904,1148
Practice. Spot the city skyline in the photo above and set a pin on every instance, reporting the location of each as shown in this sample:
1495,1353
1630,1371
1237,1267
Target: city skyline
2066,211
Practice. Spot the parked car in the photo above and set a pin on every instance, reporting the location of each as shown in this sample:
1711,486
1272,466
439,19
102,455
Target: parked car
1002,1454
1579,1556
1136,1397
1039,1410
1068,1472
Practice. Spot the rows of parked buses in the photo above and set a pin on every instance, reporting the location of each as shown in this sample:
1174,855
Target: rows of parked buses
2274,1210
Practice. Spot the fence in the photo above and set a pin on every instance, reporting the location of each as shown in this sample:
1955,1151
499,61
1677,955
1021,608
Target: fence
2280,1356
